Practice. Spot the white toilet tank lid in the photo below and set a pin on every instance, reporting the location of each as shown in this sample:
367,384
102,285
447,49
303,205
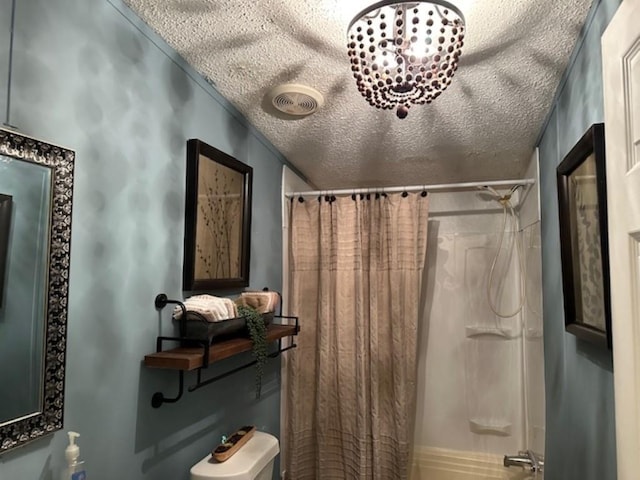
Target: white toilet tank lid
246,464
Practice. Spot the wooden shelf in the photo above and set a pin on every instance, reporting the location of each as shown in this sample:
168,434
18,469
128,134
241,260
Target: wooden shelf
192,358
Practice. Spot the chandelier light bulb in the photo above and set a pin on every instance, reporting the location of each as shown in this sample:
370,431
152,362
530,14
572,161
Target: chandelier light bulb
405,53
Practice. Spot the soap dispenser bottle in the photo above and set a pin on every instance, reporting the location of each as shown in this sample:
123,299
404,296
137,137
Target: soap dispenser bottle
75,467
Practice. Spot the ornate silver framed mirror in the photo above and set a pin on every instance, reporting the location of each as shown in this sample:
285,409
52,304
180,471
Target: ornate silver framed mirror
36,185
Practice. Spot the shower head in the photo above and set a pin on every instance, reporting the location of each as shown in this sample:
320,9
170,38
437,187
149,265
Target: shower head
499,197
491,190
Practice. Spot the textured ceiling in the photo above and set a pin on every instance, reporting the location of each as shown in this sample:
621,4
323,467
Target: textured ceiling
482,127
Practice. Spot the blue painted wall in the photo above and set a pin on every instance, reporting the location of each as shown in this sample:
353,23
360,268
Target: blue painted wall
90,76
580,430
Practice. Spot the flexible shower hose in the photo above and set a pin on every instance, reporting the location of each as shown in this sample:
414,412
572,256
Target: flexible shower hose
507,208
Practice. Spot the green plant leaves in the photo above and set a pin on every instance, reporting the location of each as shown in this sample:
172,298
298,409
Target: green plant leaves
258,333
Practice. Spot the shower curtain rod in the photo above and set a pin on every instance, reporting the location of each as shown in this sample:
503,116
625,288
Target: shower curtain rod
416,188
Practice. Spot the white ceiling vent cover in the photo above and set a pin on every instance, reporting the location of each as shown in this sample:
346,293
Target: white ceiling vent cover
295,99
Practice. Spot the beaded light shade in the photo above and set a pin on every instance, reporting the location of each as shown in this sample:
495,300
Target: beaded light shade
405,53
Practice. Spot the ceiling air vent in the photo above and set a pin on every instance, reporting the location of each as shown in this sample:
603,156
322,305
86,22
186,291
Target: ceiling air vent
294,99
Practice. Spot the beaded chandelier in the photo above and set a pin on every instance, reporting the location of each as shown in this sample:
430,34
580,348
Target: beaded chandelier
405,53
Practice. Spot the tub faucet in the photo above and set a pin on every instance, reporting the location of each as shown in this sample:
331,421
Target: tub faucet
526,459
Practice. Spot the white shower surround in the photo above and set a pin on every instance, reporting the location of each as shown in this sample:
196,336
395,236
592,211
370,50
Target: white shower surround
465,378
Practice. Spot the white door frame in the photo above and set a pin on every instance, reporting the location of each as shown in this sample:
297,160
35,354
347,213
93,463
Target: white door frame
621,69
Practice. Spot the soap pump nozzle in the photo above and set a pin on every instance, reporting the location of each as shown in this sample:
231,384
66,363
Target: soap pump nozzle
72,452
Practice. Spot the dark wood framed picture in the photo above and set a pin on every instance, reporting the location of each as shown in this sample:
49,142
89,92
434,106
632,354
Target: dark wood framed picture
582,197
217,238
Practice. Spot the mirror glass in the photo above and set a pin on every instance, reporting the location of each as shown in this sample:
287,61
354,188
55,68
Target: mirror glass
36,190
24,228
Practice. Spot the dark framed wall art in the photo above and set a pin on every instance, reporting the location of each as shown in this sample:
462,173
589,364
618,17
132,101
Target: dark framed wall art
217,219
582,197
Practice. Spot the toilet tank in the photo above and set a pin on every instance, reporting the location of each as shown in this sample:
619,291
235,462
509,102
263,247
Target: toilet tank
254,461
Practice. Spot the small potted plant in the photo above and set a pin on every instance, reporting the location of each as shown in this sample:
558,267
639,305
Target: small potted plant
258,333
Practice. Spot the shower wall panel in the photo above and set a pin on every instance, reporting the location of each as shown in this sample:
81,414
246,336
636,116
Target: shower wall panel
471,387
532,313
533,340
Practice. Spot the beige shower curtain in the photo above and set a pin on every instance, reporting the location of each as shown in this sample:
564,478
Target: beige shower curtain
356,275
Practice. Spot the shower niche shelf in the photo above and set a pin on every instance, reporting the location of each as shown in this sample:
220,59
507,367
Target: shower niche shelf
198,354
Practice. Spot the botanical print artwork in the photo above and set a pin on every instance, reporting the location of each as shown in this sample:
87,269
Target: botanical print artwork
219,221
586,235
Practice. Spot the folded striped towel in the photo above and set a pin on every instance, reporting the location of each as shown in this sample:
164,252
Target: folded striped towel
263,302
213,309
